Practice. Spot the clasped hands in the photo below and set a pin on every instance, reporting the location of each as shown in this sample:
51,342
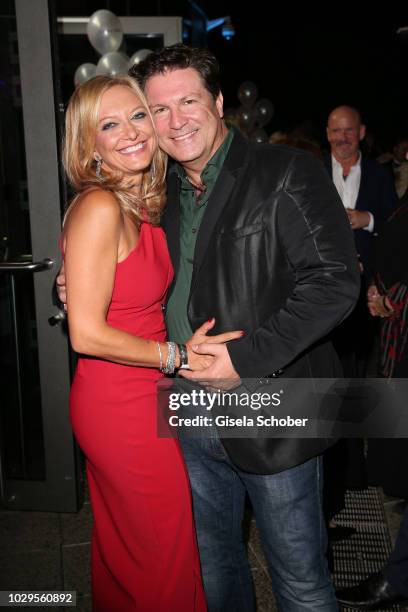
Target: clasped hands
208,356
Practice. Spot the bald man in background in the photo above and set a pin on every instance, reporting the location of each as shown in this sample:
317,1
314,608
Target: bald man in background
368,194
365,187
367,191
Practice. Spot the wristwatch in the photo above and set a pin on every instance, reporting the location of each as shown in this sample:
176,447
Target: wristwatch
183,357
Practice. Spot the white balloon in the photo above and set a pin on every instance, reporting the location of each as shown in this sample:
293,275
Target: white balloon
138,57
113,64
104,31
83,73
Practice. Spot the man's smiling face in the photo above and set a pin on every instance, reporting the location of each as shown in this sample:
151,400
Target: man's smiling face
344,132
187,118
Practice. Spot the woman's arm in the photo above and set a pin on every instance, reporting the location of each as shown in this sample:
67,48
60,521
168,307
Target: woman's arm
91,243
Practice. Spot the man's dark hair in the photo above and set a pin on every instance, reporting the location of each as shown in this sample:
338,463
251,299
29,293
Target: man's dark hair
176,57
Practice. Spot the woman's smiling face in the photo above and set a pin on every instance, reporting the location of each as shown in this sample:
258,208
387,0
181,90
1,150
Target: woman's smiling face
125,137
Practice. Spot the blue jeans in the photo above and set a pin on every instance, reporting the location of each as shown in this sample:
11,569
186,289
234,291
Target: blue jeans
288,513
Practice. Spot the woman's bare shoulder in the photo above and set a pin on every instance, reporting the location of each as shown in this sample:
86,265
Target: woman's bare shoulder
95,217
99,199
95,203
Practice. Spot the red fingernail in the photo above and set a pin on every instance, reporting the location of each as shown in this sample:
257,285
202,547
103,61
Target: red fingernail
210,320
243,333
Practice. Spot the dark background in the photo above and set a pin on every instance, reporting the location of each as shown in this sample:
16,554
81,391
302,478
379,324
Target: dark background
305,63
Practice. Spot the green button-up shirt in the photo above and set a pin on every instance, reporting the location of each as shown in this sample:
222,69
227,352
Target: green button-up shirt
192,209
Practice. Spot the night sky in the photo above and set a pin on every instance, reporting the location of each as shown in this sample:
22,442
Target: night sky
306,63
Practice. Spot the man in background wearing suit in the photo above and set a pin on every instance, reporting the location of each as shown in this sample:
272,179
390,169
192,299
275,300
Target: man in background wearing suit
367,192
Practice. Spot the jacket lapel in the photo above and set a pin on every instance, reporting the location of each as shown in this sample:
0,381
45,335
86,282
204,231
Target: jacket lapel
216,203
171,219
362,192
219,198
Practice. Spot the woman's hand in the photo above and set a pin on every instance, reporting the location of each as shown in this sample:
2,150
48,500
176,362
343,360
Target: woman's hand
378,305
61,286
372,292
373,300
200,335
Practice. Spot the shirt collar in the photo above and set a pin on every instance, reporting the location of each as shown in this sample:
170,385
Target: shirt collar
336,164
213,167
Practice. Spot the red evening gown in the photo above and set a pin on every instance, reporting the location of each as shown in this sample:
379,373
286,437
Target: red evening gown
144,554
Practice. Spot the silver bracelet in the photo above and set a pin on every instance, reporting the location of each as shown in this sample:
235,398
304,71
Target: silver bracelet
161,356
171,359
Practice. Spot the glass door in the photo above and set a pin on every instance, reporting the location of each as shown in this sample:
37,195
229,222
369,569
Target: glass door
38,458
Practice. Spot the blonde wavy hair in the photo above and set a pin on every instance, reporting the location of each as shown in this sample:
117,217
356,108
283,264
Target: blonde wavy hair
81,123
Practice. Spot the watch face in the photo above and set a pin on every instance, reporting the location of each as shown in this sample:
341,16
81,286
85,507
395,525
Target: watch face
183,356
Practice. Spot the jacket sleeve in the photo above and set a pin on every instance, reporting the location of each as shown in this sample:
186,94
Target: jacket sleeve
319,247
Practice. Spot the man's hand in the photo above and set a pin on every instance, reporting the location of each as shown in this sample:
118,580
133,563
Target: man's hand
61,288
221,367
358,218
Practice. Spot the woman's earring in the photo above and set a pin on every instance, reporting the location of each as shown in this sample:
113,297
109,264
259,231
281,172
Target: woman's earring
99,161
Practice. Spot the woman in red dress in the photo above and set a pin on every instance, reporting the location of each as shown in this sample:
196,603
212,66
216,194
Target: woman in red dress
118,270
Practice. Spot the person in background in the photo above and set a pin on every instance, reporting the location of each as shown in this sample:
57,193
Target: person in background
297,142
388,300
367,192
397,163
368,195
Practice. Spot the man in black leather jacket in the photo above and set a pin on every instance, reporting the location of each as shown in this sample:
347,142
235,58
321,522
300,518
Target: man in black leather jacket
259,240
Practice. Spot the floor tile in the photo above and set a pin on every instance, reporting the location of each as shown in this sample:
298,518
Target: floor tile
76,562
77,528
31,570
21,531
